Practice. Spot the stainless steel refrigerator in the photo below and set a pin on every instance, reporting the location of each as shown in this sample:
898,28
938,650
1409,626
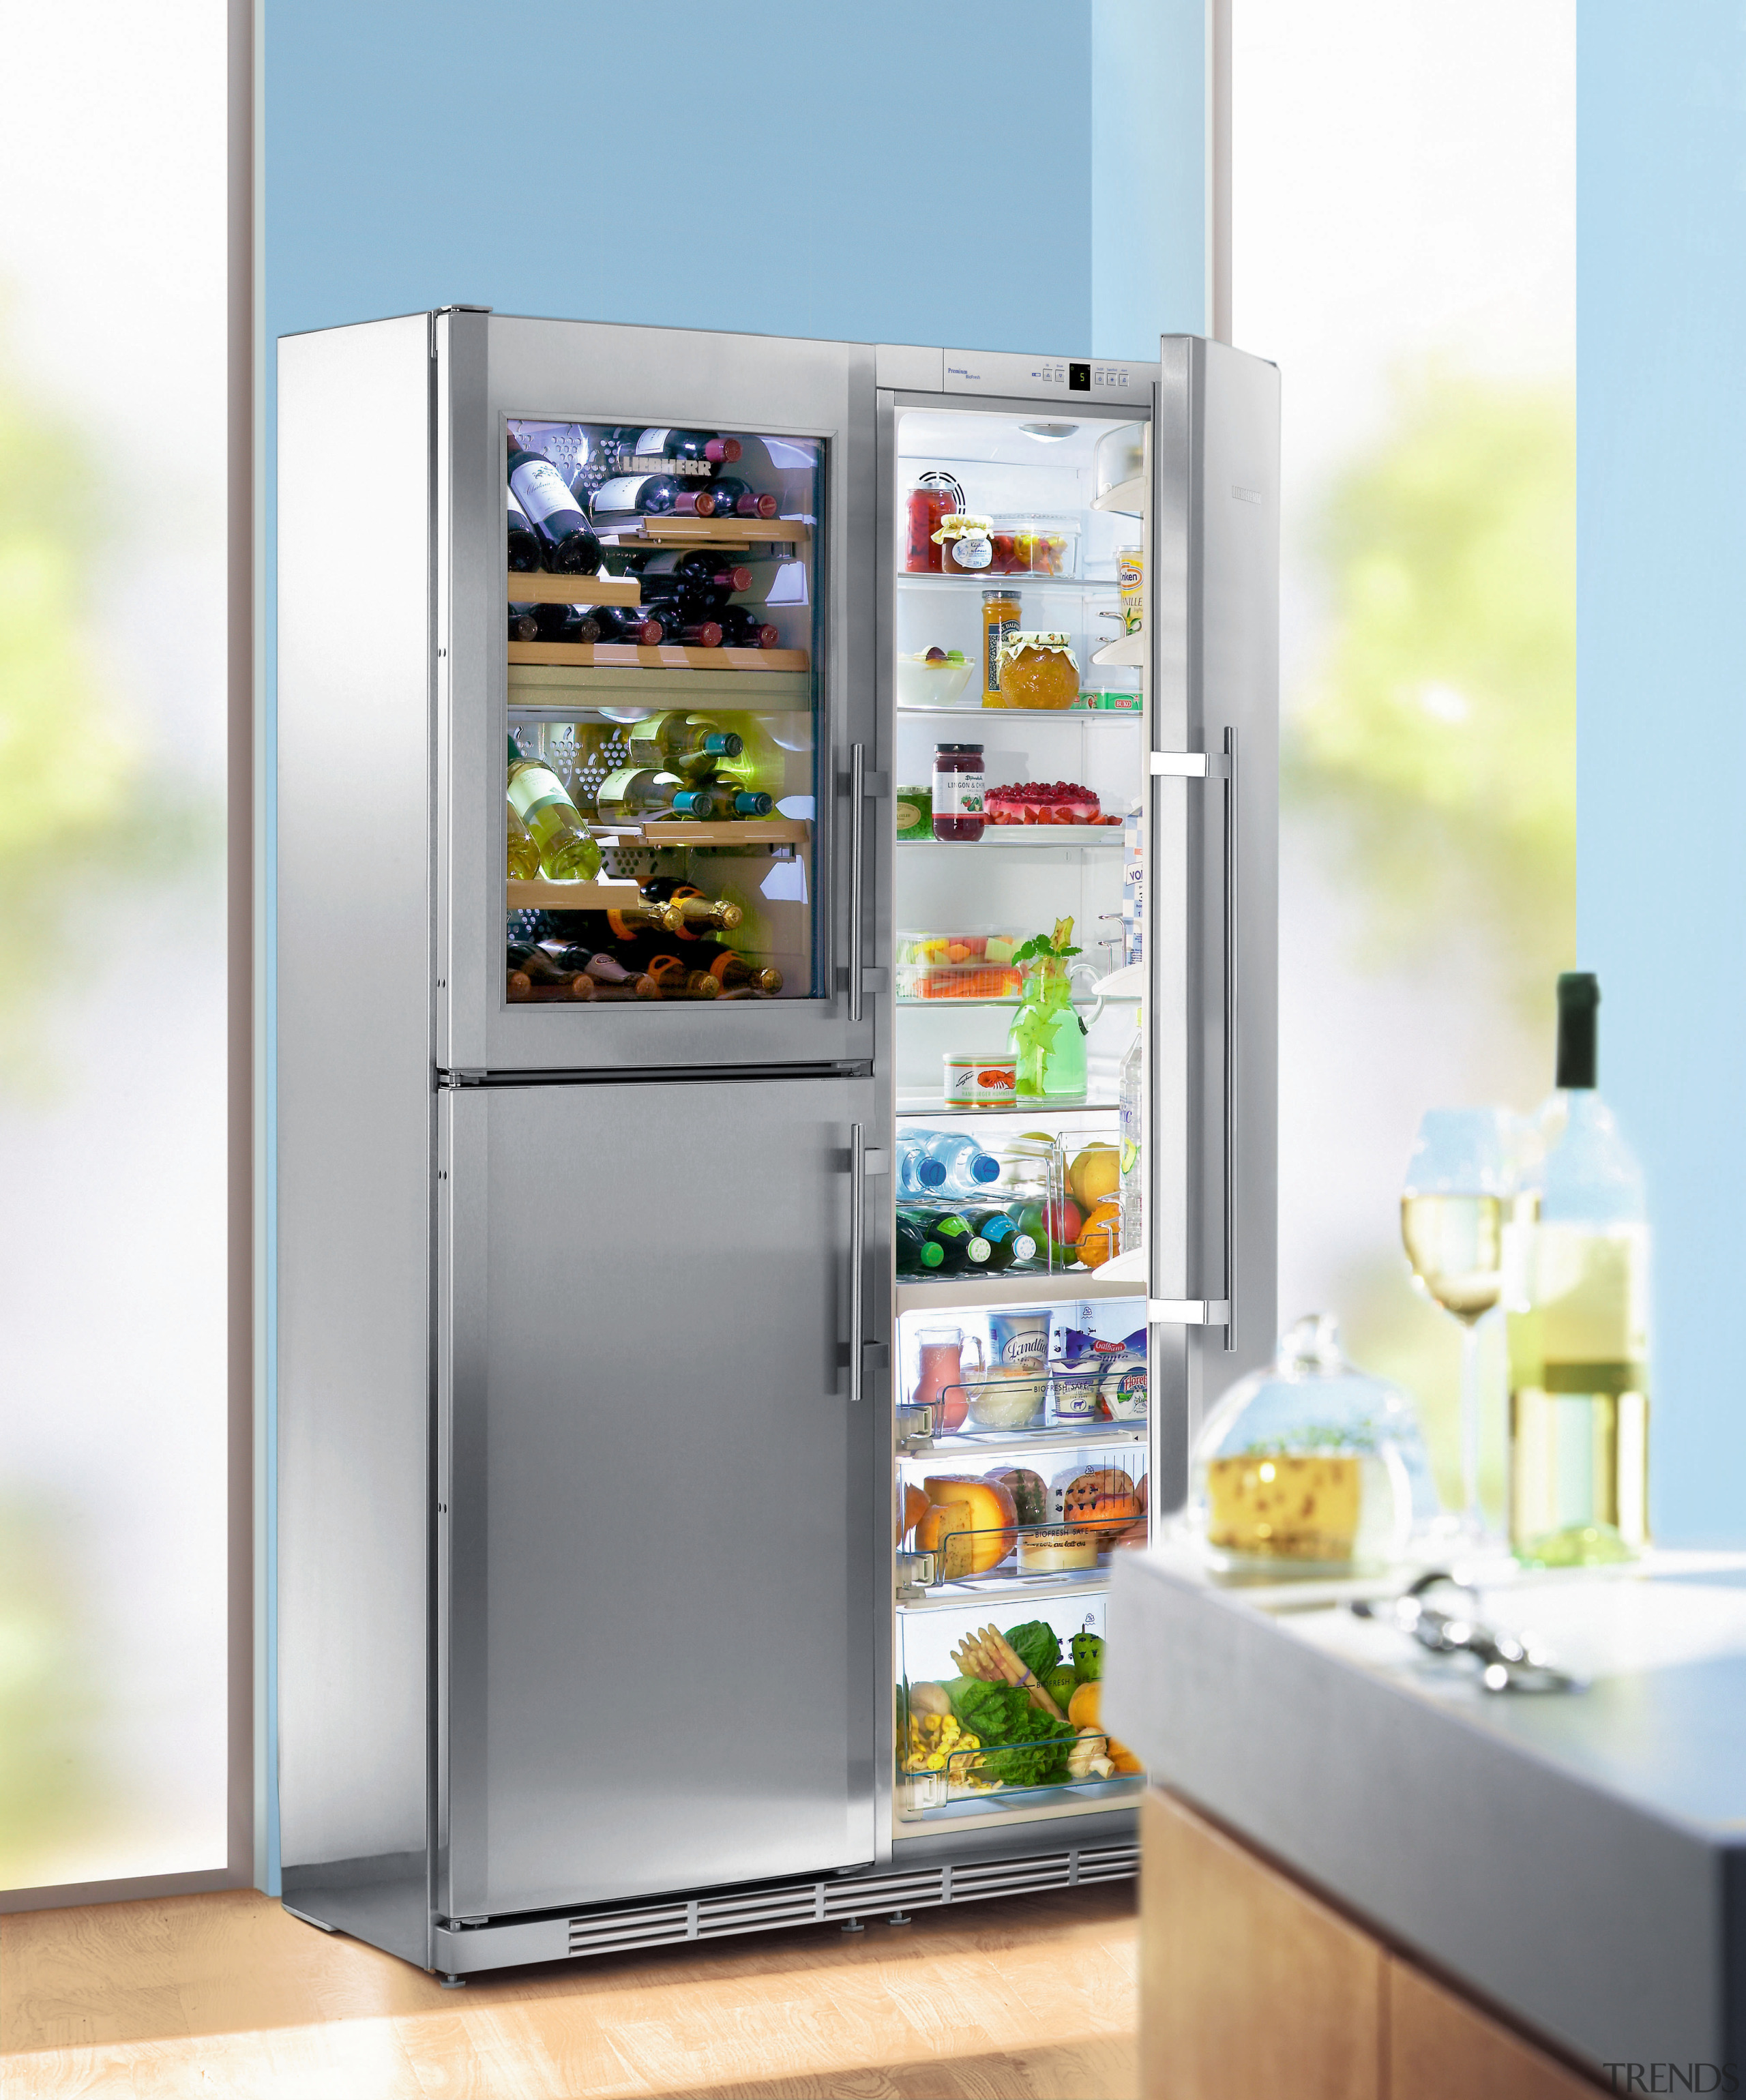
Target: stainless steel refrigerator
604,1418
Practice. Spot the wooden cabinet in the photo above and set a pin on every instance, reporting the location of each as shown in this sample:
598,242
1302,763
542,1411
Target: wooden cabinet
1251,1986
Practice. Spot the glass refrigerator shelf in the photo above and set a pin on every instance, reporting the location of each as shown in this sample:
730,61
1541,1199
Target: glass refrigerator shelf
973,1294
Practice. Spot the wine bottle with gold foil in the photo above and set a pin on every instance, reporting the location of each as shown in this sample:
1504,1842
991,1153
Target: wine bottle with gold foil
1578,1333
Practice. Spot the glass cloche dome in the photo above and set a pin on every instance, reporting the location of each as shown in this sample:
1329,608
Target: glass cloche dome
1310,1467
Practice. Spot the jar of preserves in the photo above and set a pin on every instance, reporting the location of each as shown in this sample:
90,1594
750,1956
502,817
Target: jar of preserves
967,547
1038,669
935,498
1001,615
958,781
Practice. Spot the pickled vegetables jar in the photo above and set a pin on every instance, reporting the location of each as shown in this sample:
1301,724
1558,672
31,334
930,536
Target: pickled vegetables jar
1038,669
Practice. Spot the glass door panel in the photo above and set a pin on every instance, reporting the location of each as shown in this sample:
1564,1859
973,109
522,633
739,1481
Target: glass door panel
663,635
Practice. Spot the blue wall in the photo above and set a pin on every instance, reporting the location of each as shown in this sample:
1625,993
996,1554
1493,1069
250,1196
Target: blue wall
1661,616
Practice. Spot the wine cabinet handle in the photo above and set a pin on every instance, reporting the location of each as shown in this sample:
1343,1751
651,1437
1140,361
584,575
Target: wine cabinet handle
857,770
858,1191
1230,1038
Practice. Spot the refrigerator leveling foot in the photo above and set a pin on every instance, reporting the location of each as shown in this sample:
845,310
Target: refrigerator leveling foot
899,1918
453,1983
853,1925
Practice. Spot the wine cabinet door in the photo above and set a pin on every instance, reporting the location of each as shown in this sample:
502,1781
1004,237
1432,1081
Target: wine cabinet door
658,1658
667,871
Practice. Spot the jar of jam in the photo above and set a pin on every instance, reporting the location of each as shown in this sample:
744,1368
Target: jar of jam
1037,669
958,781
934,498
967,546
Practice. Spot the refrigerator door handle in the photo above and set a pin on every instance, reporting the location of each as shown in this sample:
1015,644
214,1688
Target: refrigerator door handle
857,768
1230,1036
857,1190
861,1162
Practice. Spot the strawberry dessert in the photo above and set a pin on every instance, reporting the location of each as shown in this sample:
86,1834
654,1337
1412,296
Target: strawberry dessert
1041,802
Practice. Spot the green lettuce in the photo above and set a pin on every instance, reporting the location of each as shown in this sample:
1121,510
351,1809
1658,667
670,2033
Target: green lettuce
1036,1645
1022,1745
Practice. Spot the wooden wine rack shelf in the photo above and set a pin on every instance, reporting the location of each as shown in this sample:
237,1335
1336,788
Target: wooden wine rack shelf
568,688
601,895
743,831
666,656
736,533
539,589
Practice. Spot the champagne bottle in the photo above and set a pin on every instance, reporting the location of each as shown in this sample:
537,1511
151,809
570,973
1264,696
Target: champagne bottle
524,855
1578,1336
648,496
524,623
545,974
672,573
639,790
634,624
731,970
729,497
689,912
691,744
606,970
569,548
567,852
617,924
523,542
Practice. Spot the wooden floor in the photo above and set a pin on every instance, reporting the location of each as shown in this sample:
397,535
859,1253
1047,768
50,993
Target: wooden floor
225,1996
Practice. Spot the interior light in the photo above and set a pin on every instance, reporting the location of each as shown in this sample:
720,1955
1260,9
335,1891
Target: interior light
1048,434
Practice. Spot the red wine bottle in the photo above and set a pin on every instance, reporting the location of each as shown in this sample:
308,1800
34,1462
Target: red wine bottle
679,623
742,629
647,495
686,445
569,548
697,569
523,542
730,497
566,623
524,625
628,623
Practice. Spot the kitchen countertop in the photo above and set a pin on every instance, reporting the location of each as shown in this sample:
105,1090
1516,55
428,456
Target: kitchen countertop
1578,1858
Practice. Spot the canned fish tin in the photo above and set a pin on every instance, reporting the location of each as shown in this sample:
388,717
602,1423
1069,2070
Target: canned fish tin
960,1077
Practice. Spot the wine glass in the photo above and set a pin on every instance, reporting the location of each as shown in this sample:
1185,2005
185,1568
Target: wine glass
1459,1182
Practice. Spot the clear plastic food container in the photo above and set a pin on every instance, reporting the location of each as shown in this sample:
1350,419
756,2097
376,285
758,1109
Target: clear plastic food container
976,963
1035,544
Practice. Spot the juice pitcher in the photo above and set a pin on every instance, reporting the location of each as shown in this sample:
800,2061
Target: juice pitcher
941,1384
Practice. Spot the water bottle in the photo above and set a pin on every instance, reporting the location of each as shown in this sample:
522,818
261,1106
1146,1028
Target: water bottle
966,1169
918,1174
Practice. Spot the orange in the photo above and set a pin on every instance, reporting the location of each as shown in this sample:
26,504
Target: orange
1101,1239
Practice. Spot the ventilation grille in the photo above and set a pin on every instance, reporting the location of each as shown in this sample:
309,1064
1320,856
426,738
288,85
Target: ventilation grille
873,1895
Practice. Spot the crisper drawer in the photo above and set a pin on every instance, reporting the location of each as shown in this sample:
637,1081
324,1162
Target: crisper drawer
970,1745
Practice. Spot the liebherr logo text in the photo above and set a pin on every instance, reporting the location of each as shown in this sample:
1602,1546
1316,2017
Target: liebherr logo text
1673,2077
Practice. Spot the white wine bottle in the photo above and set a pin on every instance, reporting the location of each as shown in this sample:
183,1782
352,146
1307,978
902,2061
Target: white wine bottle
1579,1339
524,855
640,790
567,854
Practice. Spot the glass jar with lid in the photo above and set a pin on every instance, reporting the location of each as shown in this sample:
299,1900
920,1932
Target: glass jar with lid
1310,1467
966,546
1038,669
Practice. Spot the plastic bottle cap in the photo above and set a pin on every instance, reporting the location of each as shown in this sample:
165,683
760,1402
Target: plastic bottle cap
985,1168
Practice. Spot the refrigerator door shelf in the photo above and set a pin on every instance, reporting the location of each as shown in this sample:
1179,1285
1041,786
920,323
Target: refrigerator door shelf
918,1436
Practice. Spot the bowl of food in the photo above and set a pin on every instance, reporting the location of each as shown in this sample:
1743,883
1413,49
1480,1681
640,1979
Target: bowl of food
1006,1396
932,678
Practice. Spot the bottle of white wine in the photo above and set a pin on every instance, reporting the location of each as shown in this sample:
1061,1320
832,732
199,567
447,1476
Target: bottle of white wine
1579,1338
639,790
567,853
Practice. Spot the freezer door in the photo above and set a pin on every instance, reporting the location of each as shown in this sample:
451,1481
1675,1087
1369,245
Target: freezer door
656,1534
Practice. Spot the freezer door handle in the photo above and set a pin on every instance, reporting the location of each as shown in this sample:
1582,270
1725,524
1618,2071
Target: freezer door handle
858,1191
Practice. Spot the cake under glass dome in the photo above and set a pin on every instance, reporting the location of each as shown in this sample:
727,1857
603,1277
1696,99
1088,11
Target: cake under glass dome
1310,1467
